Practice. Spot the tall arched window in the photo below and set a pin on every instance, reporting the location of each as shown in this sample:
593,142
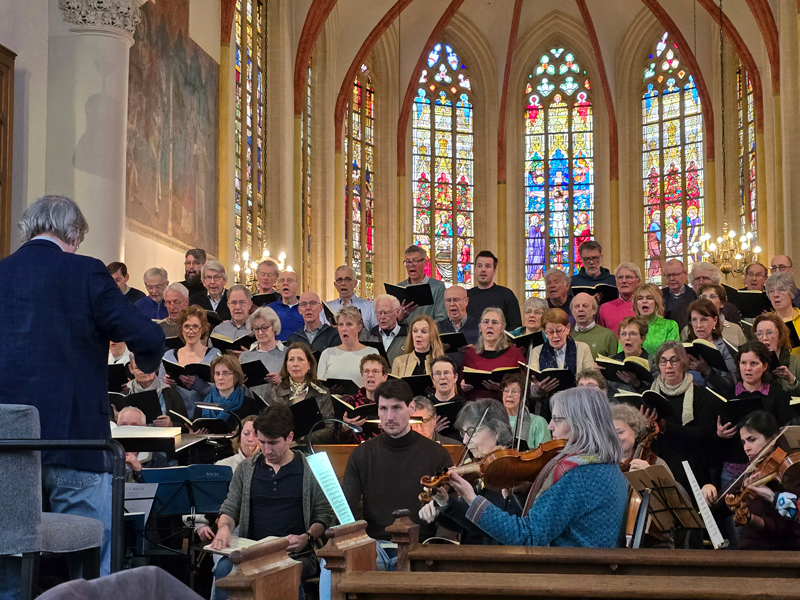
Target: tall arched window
250,131
359,185
672,161
747,150
559,167
443,166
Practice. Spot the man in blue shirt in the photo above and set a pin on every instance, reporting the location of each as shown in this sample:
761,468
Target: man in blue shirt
286,308
152,306
345,283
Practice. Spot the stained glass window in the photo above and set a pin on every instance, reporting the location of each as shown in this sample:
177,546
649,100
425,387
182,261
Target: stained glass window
443,166
305,139
559,167
359,175
250,132
672,161
747,151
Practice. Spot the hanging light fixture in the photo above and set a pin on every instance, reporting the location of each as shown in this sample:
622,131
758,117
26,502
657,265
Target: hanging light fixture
730,254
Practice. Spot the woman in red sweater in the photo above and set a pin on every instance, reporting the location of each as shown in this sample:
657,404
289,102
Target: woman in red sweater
492,351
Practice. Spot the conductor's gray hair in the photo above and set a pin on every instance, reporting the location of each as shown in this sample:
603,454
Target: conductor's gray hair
54,215
156,272
496,419
586,411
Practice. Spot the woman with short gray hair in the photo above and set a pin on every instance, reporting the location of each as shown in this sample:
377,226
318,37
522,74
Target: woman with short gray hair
265,325
532,312
484,428
580,498
781,290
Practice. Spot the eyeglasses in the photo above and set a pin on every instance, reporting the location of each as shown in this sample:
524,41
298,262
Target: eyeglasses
213,277
372,372
663,361
238,302
535,311
442,373
511,392
490,322
223,373
701,320
310,304
191,328
781,268
343,280
173,302
766,334
629,334
155,288
673,275
559,331
262,329
422,421
385,313
453,300
469,431
591,258
413,262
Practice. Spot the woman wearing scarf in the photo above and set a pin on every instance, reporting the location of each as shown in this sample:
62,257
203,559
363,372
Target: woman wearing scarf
580,498
168,398
559,351
298,383
688,435
771,331
229,392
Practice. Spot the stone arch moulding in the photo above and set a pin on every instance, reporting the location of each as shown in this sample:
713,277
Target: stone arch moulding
316,18
554,29
762,13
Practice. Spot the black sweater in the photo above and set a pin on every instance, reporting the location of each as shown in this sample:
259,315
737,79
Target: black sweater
386,473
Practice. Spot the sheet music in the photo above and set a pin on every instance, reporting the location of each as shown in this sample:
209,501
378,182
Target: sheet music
139,498
237,543
705,512
323,471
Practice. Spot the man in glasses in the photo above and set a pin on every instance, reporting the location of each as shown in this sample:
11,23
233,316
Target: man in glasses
755,276
677,295
592,271
239,304
389,332
152,305
192,266
215,296
314,333
416,262
345,283
176,298
783,264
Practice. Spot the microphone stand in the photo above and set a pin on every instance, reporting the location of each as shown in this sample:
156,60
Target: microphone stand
220,408
353,428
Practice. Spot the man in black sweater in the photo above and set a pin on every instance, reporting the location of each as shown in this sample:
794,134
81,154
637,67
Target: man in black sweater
385,471
487,293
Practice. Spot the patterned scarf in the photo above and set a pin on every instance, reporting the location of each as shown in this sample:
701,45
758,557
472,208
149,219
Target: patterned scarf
685,387
555,470
232,402
547,358
156,385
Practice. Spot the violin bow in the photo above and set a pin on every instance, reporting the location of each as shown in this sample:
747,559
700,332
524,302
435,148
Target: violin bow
523,402
469,439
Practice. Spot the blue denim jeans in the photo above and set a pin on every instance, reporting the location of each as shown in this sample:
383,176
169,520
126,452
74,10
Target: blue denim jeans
74,492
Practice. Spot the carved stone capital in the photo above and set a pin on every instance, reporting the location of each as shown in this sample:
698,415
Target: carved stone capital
118,17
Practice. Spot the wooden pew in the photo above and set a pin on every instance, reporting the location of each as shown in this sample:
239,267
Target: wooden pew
262,571
413,556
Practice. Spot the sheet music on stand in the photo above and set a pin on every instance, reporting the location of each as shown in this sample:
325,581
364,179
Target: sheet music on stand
705,512
139,497
669,507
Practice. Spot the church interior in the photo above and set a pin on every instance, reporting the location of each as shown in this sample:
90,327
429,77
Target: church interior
304,130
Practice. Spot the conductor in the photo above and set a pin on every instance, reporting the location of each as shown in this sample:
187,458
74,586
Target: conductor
60,311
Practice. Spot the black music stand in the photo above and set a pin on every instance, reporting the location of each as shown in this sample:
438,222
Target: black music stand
188,490
663,500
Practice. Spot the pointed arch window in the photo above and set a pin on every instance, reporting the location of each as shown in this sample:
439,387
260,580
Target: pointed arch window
250,130
442,172
746,110
359,150
559,167
672,161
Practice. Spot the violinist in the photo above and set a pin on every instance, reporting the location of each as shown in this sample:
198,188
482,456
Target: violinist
632,429
580,498
482,434
765,527
533,429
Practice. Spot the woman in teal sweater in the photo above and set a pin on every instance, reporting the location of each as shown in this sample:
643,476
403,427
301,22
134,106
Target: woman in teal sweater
648,303
580,497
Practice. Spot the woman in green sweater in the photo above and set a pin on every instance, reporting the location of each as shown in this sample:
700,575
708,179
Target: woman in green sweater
649,304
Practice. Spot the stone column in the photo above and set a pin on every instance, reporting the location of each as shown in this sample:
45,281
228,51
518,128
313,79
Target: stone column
87,108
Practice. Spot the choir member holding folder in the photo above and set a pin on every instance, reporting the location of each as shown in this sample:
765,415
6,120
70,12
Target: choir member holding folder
343,361
781,291
714,369
492,352
193,329
265,325
771,331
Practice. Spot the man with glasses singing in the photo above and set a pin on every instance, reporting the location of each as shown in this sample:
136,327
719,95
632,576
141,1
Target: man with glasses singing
444,373
457,320
215,296
314,333
152,305
755,276
176,298
239,304
388,331
192,267
345,283
592,271
287,307
783,264
416,261
677,295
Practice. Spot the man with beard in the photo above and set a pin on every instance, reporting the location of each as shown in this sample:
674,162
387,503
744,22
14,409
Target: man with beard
193,263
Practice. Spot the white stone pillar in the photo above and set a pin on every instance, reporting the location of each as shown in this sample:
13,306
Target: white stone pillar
87,108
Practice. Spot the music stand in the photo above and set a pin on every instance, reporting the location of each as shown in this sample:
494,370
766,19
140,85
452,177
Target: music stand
663,500
188,490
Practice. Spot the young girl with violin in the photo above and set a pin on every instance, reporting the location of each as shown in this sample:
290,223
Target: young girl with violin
760,525
484,427
580,497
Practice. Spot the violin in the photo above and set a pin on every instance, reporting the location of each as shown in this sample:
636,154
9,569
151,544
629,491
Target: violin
780,467
634,499
470,471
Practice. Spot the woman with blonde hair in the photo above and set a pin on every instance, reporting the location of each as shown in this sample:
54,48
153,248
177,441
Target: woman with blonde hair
423,344
648,303
344,361
491,352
